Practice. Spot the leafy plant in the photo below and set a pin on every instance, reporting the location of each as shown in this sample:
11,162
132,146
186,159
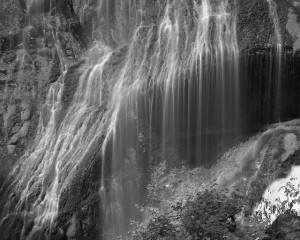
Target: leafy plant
211,215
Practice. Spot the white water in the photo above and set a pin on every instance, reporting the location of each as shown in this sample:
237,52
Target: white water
278,64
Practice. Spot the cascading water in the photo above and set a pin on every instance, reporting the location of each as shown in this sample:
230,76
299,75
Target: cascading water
278,61
37,183
28,177
179,86
175,96
116,20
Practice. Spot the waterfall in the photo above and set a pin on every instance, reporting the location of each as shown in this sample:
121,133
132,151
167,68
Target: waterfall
278,63
175,98
36,184
117,20
27,179
178,89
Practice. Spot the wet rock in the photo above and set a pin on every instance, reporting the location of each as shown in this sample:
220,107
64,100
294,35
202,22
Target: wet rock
26,111
16,128
37,65
25,114
28,68
79,201
49,40
11,149
71,47
9,57
75,230
3,72
11,17
55,70
24,130
9,115
87,11
29,64
255,27
293,27
14,140
113,21
285,227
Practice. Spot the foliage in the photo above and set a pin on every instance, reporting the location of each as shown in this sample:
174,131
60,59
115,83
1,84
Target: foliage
178,209
159,227
155,184
211,215
169,186
249,228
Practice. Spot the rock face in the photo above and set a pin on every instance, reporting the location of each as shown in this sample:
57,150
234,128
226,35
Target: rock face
33,49
39,40
12,17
